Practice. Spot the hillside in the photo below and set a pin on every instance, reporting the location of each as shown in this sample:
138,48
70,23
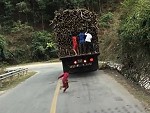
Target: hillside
125,40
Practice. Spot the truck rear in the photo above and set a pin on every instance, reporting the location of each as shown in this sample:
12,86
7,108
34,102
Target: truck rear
68,22
80,63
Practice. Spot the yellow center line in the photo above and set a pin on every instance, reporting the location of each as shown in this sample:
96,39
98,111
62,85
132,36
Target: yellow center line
54,101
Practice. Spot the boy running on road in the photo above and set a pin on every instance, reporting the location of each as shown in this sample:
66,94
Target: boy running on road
64,77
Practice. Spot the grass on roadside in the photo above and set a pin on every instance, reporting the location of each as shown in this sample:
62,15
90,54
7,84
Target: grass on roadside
10,84
54,60
2,70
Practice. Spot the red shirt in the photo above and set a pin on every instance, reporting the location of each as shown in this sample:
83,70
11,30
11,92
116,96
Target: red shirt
74,40
65,76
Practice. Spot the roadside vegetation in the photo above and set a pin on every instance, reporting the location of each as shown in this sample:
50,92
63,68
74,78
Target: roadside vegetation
135,39
1,70
125,39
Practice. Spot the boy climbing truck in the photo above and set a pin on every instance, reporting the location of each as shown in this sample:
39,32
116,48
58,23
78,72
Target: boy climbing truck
69,24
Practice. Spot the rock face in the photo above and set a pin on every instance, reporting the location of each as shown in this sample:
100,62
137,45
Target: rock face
143,79
71,22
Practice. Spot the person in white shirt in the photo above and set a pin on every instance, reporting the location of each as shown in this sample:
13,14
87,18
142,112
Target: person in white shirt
88,42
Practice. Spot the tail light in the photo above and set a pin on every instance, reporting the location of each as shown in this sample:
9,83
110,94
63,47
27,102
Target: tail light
75,62
84,61
91,59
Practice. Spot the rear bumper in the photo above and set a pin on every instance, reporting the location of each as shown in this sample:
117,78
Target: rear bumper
78,56
80,65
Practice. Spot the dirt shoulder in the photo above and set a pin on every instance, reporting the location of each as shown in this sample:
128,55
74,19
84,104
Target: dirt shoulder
135,90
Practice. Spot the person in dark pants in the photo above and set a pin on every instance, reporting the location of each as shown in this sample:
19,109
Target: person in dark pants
88,41
82,42
64,77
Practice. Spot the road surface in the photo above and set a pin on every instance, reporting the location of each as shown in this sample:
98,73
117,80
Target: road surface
94,92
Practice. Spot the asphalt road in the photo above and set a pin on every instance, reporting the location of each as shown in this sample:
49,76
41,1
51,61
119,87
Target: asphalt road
94,92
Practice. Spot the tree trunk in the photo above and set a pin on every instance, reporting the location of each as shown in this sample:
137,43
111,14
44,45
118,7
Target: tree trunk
33,15
19,16
99,5
3,55
26,17
42,23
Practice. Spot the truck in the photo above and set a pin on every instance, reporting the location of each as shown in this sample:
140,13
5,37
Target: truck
71,21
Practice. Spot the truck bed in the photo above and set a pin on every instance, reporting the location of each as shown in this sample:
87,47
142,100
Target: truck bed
82,55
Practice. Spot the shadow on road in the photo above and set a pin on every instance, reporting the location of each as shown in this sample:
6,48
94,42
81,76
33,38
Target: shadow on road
84,74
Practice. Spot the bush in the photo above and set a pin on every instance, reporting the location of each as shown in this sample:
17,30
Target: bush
42,44
2,47
135,27
2,41
134,34
105,19
19,27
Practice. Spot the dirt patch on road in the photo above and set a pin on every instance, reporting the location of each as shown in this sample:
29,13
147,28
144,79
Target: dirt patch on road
135,90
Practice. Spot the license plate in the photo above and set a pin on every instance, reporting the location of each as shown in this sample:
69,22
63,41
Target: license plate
79,60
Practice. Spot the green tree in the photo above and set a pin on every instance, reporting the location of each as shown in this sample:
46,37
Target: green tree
23,8
42,44
2,47
135,26
134,31
6,15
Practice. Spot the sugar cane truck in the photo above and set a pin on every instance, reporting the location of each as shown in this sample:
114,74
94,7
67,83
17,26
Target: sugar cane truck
64,24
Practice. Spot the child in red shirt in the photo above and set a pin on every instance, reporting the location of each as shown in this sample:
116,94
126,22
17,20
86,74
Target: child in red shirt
75,44
64,77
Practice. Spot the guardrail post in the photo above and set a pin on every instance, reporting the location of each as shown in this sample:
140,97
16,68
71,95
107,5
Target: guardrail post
11,79
26,71
1,83
18,75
